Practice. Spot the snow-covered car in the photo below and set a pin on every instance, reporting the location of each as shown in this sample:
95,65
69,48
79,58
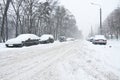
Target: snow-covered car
23,40
70,39
99,39
46,38
62,39
90,39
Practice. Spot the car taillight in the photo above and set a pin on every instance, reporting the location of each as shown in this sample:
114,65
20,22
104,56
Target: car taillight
105,40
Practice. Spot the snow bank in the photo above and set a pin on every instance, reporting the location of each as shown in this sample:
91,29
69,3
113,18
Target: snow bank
2,45
109,55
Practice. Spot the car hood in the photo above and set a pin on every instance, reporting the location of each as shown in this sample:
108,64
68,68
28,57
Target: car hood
13,41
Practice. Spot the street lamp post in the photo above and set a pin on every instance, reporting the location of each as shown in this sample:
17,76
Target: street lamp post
100,16
100,20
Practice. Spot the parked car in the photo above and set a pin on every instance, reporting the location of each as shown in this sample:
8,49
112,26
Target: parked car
90,39
23,40
46,38
70,39
99,39
62,39
30,42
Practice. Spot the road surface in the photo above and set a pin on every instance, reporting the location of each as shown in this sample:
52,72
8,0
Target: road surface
73,60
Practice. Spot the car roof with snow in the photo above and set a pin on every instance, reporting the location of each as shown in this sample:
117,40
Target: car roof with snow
99,37
46,36
27,36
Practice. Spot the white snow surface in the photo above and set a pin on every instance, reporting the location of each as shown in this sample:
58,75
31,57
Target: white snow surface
72,60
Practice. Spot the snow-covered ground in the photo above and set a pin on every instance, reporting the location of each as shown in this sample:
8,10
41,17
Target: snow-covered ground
73,60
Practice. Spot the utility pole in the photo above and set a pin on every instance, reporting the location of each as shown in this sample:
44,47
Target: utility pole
100,20
100,16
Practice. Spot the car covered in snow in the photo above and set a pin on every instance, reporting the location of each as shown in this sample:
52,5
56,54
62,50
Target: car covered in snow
23,40
46,38
70,39
62,38
90,39
99,39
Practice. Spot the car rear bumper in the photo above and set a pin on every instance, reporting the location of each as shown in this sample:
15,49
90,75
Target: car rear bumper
99,42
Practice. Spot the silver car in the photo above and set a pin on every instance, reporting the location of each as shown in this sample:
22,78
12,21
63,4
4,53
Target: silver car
99,39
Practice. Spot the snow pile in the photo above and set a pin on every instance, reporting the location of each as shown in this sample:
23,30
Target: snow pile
2,45
108,55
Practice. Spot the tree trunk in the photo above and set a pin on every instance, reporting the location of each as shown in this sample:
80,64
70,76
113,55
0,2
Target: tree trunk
3,20
6,28
17,19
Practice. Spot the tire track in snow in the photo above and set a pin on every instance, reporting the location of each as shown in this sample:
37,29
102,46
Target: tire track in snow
31,67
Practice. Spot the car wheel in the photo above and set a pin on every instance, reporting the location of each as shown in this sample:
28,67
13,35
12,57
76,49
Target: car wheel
104,43
6,45
52,41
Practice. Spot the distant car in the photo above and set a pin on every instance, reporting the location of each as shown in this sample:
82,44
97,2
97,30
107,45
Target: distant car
70,39
46,38
91,39
62,39
23,40
99,39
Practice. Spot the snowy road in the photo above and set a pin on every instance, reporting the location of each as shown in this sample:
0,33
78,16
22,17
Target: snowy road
77,60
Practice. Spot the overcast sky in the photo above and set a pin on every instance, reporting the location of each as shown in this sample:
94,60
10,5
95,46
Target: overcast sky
87,15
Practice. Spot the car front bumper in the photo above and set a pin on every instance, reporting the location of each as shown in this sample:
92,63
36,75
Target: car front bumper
14,45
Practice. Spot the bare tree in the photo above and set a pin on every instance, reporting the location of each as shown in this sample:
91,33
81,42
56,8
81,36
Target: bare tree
37,17
113,24
3,19
16,6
